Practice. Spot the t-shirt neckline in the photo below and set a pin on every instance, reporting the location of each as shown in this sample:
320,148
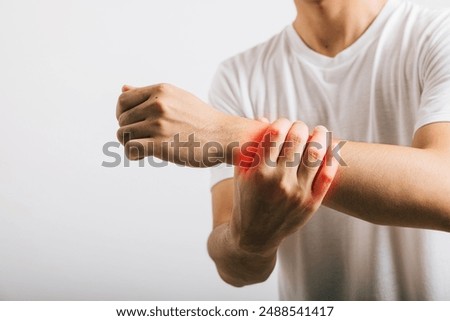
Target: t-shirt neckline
303,50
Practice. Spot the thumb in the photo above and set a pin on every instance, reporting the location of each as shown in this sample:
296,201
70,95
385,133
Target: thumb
127,88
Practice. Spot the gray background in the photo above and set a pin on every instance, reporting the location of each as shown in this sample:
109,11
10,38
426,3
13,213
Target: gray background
71,229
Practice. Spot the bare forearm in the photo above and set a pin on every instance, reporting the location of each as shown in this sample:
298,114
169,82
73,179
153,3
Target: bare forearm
393,185
384,184
237,267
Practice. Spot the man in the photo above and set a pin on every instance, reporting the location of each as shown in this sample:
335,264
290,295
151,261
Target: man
376,73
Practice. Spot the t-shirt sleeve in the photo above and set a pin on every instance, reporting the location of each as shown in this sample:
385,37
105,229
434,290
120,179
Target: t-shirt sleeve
224,96
435,97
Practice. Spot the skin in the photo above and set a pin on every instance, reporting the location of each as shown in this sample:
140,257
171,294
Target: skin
252,213
269,203
330,26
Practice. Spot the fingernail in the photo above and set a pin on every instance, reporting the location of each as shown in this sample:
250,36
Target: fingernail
321,128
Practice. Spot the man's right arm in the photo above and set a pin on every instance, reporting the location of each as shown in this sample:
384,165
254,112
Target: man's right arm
235,266
265,203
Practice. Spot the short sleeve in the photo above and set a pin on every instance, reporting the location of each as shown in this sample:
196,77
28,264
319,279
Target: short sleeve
224,96
435,97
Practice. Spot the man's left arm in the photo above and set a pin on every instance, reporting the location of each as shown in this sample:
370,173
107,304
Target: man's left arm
406,186
396,185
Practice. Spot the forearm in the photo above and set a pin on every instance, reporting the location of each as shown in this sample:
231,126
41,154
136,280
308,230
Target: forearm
393,185
382,184
235,266
233,132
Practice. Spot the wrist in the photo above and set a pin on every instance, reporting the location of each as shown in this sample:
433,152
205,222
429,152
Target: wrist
237,131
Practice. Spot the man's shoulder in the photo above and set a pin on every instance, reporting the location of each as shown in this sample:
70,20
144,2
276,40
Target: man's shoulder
424,20
424,31
259,55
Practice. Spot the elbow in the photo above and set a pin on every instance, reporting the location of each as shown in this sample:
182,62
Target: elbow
235,268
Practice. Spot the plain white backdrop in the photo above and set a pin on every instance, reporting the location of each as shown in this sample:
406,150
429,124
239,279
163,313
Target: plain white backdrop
71,229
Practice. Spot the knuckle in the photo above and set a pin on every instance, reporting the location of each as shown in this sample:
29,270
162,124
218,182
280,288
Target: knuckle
301,128
285,126
158,106
326,179
123,119
119,135
297,194
301,125
122,99
296,138
159,128
128,149
313,158
287,150
134,151
285,187
273,132
162,88
313,154
278,127
124,135
284,121
157,124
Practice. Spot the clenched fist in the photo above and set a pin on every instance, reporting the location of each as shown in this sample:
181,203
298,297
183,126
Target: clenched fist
174,125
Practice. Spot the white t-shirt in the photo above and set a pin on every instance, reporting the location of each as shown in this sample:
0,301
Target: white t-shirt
394,79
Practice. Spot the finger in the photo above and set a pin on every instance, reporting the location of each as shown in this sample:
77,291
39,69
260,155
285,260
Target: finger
312,158
324,178
147,110
134,131
134,115
127,88
273,140
292,150
263,119
133,97
139,148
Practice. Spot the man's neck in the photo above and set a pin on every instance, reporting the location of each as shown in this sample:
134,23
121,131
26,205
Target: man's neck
330,26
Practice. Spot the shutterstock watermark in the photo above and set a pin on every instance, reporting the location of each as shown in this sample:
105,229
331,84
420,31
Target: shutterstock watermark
191,152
